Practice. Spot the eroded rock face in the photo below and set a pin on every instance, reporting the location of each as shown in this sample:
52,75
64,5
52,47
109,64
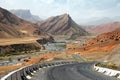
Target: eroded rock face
61,25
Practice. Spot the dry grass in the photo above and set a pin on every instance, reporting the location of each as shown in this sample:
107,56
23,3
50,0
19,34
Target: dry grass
109,65
18,40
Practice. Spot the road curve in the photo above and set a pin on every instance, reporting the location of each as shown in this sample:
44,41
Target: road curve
77,71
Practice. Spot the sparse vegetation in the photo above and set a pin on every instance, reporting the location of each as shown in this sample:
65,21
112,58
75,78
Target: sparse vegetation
108,65
18,49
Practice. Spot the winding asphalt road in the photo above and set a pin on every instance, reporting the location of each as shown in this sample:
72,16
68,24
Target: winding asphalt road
76,71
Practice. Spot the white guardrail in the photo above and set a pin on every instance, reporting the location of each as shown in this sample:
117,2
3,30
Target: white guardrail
106,71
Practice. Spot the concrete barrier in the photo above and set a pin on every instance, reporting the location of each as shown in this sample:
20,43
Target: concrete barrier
19,75
26,72
109,72
23,74
13,75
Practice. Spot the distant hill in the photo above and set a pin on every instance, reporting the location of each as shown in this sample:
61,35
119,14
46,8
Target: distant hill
104,28
100,21
26,15
12,26
62,25
107,27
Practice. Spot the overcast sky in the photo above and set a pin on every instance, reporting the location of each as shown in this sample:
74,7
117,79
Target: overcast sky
79,10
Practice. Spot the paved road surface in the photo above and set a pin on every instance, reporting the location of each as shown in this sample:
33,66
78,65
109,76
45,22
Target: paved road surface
77,71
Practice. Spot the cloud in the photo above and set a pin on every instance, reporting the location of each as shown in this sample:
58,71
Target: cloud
79,9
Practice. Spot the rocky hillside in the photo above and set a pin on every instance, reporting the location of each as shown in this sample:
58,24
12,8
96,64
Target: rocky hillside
110,37
104,28
99,47
12,26
62,25
114,55
26,15
18,36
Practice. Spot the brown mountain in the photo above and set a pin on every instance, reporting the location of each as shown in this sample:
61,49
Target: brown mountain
104,28
12,26
61,25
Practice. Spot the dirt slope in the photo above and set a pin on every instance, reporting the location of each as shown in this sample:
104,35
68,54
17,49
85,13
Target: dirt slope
114,55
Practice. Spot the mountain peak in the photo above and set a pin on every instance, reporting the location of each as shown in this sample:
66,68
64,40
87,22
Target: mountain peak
66,15
61,25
